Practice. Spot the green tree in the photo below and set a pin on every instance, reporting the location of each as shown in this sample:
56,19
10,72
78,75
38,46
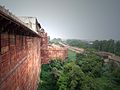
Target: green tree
117,48
71,78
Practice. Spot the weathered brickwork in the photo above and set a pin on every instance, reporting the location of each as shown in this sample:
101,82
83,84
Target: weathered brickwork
20,62
50,52
56,51
23,48
20,53
44,48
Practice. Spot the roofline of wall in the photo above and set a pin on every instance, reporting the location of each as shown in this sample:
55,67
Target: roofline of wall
9,16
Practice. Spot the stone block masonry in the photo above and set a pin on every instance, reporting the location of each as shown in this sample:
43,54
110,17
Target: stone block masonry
44,48
23,48
20,53
20,62
57,52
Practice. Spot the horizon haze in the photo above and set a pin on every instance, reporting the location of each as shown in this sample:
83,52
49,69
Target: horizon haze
72,19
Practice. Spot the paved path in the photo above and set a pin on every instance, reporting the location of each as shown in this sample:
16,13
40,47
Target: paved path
75,49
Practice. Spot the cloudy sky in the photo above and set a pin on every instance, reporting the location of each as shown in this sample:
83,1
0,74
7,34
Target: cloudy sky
80,19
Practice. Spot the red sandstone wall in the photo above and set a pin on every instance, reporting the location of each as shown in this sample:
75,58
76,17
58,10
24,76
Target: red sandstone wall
19,62
44,48
57,52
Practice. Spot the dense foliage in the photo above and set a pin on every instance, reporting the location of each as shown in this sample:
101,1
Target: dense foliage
86,73
56,40
82,71
77,43
102,45
107,45
50,74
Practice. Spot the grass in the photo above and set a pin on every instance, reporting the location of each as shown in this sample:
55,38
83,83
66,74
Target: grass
71,55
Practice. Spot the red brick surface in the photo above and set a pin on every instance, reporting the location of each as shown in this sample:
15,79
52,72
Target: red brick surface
20,62
51,52
44,48
22,51
56,51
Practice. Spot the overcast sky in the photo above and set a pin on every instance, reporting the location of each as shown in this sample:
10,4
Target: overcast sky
80,19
